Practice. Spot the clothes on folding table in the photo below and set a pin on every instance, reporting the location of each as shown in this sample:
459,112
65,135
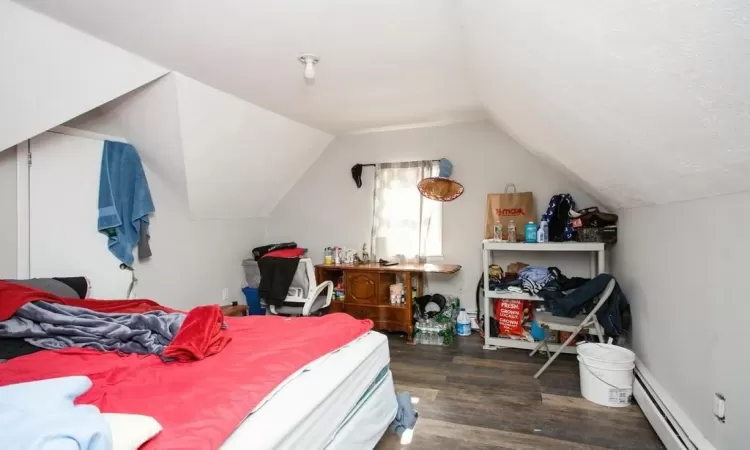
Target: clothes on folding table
562,283
614,315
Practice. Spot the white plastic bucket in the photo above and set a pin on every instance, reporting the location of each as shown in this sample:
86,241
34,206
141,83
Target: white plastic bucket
606,374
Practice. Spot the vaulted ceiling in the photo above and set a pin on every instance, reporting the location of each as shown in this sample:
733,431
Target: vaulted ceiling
641,101
383,62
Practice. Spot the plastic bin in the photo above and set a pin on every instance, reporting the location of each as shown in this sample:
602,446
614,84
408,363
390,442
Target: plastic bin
253,302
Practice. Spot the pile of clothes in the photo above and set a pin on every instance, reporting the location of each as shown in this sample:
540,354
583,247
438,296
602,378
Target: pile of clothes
46,321
521,277
567,297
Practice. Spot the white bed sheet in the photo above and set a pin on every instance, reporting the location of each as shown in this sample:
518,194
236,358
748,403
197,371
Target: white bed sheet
308,409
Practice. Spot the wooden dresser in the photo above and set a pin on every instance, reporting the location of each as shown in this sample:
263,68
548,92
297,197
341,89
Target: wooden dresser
367,291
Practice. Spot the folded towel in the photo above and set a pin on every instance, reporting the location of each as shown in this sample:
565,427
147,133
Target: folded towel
124,200
199,336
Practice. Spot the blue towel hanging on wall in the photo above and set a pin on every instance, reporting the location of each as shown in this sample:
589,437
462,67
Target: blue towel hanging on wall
124,200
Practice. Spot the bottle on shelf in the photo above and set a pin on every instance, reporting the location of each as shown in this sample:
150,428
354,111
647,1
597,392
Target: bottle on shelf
497,231
530,232
512,231
541,234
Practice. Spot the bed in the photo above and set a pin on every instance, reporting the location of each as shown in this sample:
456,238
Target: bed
280,383
322,405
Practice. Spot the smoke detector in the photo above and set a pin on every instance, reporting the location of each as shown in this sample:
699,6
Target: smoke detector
309,60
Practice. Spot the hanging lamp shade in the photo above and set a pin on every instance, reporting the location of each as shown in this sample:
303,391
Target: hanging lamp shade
441,188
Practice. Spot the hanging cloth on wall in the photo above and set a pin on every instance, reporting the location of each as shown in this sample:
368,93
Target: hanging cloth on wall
357,173
124,200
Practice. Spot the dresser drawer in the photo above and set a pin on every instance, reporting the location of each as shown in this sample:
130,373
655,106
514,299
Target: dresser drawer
378,314
362,287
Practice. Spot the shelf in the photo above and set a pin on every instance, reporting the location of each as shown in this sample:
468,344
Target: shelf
513,295
491,343
489,244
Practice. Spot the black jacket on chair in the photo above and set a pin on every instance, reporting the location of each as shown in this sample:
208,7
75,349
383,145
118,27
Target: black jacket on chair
614,315
276,275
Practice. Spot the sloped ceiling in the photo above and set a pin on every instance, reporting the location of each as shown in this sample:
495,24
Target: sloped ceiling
383,62
50,73
648,101
242,165
235,168
641,101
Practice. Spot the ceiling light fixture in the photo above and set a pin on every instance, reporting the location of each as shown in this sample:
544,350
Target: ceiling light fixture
309,60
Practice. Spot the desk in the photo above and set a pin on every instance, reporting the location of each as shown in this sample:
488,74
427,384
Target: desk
367,291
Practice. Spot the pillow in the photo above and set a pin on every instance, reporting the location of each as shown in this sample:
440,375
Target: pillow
49,285
130,431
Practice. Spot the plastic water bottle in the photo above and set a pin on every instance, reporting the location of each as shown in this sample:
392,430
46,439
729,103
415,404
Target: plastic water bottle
421,335
497,231
511,231
463,323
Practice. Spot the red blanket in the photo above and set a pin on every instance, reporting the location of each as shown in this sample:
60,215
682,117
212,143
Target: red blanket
13,296
198,403
200,335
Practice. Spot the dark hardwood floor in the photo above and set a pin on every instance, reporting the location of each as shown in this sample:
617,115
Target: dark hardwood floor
470,398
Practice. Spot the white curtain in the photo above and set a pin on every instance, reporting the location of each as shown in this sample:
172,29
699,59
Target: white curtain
404,222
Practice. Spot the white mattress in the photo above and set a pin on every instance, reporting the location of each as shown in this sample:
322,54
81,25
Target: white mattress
310,407
365,428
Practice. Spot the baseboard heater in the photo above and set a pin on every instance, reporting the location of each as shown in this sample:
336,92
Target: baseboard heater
667,427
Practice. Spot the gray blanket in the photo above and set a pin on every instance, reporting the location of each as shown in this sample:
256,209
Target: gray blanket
53,326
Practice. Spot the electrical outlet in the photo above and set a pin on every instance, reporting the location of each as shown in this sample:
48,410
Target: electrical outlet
720,407
225,294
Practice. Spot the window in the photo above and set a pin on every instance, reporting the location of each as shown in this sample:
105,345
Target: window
404,222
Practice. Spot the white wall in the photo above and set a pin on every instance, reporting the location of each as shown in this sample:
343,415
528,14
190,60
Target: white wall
52,73
240,159
8,215
683,267
325,208
193,259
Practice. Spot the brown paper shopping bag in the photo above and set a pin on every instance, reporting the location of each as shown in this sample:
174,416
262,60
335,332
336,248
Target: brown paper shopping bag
515,206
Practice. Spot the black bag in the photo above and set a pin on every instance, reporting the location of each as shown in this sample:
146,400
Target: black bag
558,219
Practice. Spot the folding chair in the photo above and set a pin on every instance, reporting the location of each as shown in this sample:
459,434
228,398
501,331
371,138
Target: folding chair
573,325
